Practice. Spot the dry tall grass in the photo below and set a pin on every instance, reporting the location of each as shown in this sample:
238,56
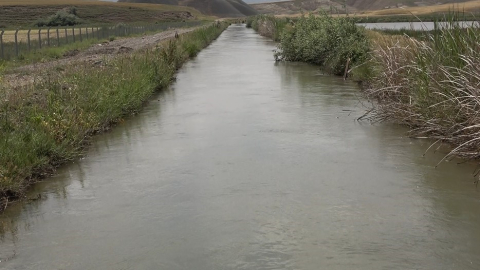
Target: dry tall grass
433,86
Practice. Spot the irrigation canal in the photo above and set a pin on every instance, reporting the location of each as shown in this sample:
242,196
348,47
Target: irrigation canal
248,164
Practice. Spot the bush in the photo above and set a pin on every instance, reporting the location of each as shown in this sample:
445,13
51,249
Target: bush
267,25
65,17
325,41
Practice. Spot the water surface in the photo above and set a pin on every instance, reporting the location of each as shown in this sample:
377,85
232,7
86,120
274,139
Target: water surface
248,164
421,26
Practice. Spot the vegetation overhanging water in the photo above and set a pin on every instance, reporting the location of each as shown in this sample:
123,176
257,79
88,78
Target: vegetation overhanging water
49,122
425,80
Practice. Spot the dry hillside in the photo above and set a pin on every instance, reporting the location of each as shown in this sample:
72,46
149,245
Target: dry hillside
220,8
298,6
18,13
295,7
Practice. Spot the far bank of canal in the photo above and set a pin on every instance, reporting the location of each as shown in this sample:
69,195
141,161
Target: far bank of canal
248,164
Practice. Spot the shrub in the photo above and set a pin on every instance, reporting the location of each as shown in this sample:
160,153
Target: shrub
65,17
325,41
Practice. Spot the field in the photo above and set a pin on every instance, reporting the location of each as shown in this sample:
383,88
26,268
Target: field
24,13
468,7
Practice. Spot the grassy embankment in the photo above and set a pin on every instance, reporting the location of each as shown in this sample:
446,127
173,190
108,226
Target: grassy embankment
49,122
430,84
24,14
45,54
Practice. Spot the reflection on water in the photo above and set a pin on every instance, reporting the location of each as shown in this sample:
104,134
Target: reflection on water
248,164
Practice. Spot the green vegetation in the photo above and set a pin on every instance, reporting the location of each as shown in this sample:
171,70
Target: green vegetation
48,122
332,43
67,48
64,17
268,25
325,41
426,80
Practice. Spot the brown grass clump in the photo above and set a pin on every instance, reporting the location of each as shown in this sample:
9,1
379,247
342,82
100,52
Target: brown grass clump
433,86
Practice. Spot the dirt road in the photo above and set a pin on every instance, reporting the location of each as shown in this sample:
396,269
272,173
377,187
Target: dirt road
95,55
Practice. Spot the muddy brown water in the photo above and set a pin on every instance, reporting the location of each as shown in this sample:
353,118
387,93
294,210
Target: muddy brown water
248,164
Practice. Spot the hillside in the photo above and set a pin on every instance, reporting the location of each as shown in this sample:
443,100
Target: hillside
352,6
220,8
387,4
18,13
296,7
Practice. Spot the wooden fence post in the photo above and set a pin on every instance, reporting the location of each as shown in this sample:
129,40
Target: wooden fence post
1,44
40,38
28,39
48,36
16,43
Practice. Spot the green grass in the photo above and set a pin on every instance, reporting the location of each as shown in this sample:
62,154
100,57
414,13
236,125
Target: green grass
36,55
49,122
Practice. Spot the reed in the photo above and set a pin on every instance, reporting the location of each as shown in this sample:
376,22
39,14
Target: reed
432,85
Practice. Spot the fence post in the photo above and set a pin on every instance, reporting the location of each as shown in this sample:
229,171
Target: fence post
1,43
58,38
86,31
40,38
16,42
48,36
80,34
73,33
98,34
66,36
28,39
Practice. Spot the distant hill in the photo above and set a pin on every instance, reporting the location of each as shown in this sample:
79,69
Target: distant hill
220,8
24,13
299,6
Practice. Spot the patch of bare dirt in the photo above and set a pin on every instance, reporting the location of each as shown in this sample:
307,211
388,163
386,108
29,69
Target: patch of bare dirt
95,55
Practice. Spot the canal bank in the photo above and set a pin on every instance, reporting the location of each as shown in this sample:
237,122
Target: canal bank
48,118
244,163
427,81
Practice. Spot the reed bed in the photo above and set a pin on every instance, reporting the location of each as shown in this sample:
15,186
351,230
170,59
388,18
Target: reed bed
432,85
427,80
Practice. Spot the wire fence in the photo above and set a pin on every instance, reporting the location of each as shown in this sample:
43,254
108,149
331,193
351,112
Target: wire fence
15,43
